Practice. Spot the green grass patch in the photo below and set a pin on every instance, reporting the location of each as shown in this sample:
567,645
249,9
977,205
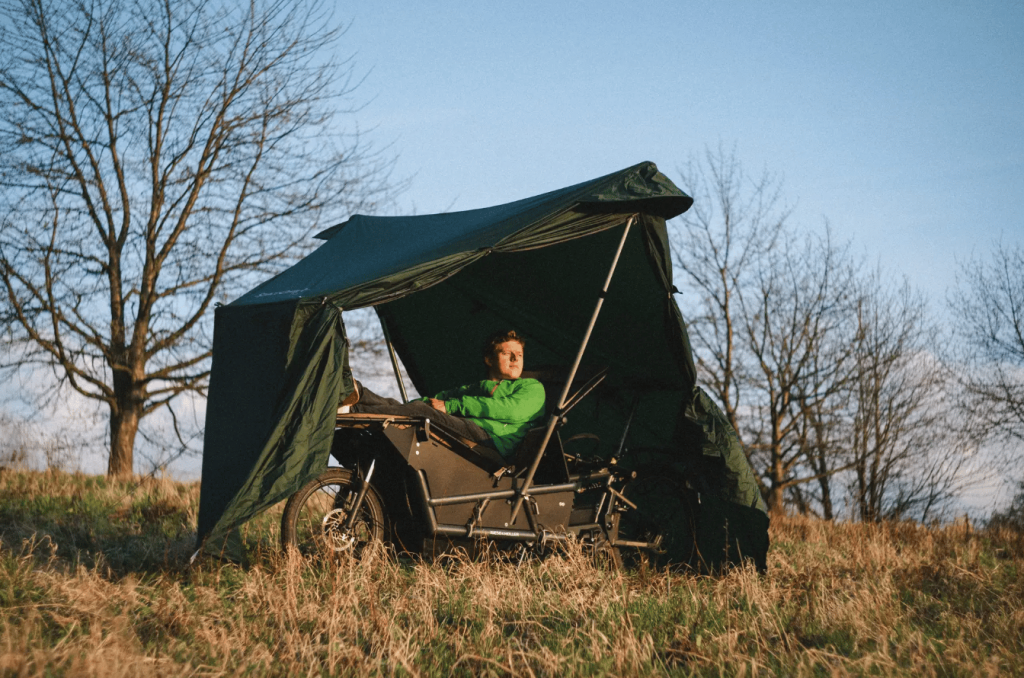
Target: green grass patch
95,579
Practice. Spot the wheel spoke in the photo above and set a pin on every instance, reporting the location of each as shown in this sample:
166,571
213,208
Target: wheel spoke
314,518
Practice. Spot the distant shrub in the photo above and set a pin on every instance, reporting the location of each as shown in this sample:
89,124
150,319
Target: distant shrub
13,445
1013,517
27,445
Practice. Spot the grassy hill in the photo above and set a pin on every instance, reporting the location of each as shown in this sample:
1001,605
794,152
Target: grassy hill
94,580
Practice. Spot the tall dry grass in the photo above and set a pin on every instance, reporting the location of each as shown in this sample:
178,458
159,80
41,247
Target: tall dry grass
94,580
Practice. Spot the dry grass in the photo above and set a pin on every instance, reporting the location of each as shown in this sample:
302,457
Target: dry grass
94,581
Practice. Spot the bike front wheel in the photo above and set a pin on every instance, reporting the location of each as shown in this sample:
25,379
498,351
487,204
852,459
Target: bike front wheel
314,518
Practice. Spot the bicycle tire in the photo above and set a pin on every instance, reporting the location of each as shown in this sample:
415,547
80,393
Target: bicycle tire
313,517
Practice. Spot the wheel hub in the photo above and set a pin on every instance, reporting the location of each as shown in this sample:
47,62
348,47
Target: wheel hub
335,536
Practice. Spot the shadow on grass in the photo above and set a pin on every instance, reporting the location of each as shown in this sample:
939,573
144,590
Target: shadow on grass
136,528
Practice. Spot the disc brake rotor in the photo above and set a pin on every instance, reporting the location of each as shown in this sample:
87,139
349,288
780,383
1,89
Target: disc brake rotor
335,536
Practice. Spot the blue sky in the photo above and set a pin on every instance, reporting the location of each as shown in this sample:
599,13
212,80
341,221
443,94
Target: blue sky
901,123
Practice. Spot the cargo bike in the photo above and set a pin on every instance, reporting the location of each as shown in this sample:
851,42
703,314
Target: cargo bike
584,273
412,484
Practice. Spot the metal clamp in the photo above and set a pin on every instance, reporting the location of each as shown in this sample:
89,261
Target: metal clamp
478,514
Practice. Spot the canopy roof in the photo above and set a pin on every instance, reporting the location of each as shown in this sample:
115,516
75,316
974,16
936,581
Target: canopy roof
443,282
366,250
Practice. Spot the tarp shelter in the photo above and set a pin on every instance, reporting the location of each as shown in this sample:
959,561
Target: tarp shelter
442,282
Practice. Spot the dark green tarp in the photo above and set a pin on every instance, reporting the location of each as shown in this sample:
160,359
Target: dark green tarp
725,521
442,282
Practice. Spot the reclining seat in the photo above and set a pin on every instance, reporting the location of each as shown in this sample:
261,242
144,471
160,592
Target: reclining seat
481,454
552,468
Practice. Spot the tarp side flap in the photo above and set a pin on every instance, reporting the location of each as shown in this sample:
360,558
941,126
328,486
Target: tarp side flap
250,350
726,466
297,447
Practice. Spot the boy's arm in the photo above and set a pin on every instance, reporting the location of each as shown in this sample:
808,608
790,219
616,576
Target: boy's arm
450,393
525,402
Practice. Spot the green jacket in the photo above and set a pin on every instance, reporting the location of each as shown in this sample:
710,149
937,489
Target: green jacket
506,412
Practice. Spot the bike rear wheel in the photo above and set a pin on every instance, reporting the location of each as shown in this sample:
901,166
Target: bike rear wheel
605,556
314,517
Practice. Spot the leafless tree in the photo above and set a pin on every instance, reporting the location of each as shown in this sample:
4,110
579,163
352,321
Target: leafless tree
821,436
15,449
829,376
1012,517
988,318
752,290
735,221
795,322
154,156
987,307
26,444
909,449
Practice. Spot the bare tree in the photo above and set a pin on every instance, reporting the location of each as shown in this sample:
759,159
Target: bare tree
828,376
795,328
822,437
909,451
735,221
15,448
988,319
765,315
154,156
1012,517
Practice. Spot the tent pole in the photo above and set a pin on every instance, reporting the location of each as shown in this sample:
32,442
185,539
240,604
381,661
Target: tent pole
629,422
593,318
553,421
394,358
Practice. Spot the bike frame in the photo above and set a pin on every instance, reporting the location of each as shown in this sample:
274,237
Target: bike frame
472,513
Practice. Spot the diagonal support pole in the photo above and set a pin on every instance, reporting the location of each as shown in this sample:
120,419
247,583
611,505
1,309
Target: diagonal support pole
394,359
521,493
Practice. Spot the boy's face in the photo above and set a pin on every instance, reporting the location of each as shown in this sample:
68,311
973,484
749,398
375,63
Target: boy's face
507,361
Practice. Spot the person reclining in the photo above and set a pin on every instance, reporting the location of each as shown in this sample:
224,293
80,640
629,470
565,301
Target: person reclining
497,411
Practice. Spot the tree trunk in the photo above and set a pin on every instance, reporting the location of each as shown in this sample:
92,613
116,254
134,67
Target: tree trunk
776,492
776,500
124,425
825,484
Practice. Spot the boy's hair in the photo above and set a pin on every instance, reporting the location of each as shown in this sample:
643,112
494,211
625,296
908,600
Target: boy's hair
499,338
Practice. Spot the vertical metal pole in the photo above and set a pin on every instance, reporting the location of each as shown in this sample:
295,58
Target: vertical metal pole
394,359
549,431
629,422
